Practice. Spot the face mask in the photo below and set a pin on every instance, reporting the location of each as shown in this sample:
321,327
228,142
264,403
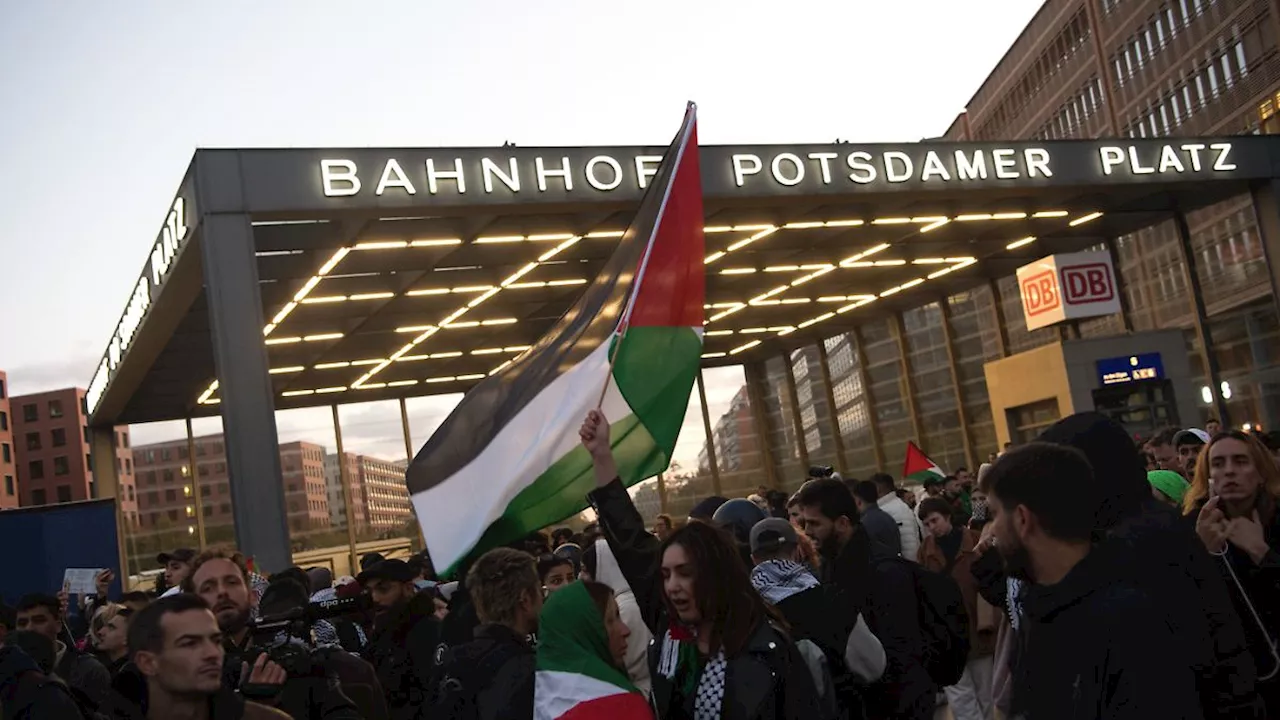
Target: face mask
980,509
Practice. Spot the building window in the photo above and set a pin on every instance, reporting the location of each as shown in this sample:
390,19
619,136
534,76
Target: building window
59,436
6,455
38,497
173,515
168,476
8,485
4,420
55,408
170,496
33,441
30,413
64,493
124,438
130,492
128,466
35,469
61,466
2,391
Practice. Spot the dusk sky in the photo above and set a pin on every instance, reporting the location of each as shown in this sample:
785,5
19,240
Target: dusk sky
103,104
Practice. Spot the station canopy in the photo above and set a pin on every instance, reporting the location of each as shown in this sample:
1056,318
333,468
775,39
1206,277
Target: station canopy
387,273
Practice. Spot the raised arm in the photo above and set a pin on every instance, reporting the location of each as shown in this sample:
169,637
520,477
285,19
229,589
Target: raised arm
633,547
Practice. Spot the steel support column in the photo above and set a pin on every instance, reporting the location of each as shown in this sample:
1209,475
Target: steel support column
908,387
712,459
877,445
997,312
404,428
970,454
196,492
1200,317
1126,318
662,493
102,450
836,437
344,477
754,383
797,421
244,385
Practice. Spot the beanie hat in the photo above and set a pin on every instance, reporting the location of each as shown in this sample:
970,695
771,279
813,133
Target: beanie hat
1170,483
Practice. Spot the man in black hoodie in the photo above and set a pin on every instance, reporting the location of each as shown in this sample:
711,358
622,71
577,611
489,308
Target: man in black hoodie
1167,561
405,638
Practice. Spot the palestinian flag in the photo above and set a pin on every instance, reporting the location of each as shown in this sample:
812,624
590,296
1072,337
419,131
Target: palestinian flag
576,677
508,460
919,467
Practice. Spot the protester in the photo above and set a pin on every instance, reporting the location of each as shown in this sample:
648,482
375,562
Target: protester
42,614
874,581
793,511
716,647
1233,499
494,673
958,495
177,568
582,650
555,572
607,572
405,638
1163,450
561,535
1188,444
663,527
1100,646
1167,487
908,528
1212,427
28,693
981,514
176,648
907,497
737,517
706,509
932,486
113,645
879,525
949,549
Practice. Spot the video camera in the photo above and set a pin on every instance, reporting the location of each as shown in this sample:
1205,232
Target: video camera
297,658
821,472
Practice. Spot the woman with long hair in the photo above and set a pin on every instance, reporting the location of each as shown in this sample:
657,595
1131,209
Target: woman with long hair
719,651
582,648
1233,499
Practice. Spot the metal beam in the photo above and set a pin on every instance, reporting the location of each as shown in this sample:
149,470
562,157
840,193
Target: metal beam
712,460
877,446
1126,319
662,493
997,308
196,492
344,477
837,438
908,387
248,410
970,454
102,450
404,428
797,421
751,371
1200,317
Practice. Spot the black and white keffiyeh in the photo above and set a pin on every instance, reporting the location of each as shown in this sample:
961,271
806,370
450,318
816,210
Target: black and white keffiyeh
709,695
777,580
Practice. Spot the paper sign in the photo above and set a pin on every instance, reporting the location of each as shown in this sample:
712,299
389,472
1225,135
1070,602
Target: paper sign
81,581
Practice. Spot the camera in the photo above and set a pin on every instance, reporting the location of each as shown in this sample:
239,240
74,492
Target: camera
820,472
286,636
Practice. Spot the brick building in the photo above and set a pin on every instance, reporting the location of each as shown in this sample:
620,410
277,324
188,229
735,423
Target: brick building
8,470
378,493
337,501
51,451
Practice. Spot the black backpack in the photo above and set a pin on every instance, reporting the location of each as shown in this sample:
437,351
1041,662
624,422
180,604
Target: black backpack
944,624
466,670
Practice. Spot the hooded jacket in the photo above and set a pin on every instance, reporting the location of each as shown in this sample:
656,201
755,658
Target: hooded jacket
608,573
403,650
909,532
1165,560
128,701
82,672
28,694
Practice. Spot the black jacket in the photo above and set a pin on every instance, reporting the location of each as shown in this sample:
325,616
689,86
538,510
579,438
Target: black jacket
818,615
872,578
1095,645
84,673
128,701
28,694
506,690
403,650
767,680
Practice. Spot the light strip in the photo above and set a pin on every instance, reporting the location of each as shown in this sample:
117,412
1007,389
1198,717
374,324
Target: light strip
286,370
1050,214
1019,243
935,225
382,245
743,348
707,356
282,340
435,242
1085,218
737,271
743,243
321,337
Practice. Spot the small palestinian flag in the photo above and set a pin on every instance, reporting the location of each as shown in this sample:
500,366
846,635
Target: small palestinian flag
508,460
919,467
576,678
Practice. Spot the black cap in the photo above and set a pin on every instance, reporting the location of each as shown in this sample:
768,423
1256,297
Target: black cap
368,560
772,534
182,555
393,570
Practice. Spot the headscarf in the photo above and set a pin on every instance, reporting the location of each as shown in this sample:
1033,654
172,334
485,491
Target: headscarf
1169,483
572,638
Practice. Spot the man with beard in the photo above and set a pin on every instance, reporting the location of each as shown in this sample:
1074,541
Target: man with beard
871,579
405,638
221,579
1102,647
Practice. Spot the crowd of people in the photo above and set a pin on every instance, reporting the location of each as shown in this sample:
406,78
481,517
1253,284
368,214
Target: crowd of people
1078,576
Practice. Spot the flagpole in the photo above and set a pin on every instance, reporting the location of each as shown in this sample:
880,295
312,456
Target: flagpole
691,113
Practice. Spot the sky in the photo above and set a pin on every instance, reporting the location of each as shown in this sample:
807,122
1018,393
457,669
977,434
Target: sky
104,103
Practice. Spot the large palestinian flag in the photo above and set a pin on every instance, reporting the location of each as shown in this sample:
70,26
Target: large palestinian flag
919,467
508,460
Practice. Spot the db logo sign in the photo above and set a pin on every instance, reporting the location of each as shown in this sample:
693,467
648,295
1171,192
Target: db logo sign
1090,283
1040,293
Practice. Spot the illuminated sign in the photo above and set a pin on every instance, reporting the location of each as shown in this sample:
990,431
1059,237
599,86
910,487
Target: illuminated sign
1176,158
1067,286
173,237
1131,368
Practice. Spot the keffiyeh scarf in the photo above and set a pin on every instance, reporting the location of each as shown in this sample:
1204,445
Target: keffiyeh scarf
1014,588
680,650
777,580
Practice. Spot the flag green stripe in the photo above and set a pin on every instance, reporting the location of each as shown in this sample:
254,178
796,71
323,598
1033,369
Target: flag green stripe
655,370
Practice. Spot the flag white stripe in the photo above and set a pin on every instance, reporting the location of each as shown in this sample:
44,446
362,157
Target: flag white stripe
556,693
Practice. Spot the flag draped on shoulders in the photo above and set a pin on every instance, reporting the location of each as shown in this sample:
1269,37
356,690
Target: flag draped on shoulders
919,467
508,460
577,678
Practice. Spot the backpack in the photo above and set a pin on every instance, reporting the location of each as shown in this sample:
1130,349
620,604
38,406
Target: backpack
820,668
944,624
466,671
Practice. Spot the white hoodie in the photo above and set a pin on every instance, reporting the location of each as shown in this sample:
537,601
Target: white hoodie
608,573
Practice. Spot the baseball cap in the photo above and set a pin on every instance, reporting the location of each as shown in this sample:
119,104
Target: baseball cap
182,555
772,534
368,560
1191,436
393,570
1170,483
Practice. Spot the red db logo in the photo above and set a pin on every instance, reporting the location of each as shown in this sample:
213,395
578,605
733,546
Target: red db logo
1040,293
1088,284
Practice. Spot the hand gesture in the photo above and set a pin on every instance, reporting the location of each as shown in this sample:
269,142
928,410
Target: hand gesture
264,672
1246,534
63,602
987,540
595,438
1211,526
102,582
